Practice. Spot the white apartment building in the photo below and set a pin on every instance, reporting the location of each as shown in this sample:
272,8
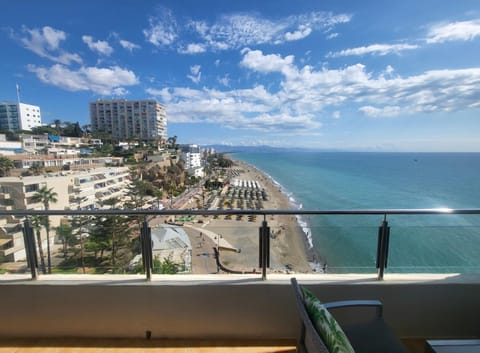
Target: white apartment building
25,161
75,190
141,120
192,156
19,116
34,143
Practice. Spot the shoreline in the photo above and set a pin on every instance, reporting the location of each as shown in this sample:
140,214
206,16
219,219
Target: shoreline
290,249
315,260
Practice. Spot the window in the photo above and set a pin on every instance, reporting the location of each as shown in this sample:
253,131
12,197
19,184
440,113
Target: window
31,187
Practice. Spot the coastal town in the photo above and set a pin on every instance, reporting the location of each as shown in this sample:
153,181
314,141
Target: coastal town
125,160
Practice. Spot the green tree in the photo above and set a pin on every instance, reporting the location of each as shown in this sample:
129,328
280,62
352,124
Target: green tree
172,142
159,195
58,126
118,228
46,196
36,168
98,241
10,135
105,137
137,191
105,150
167,266
5,166
72,130
86,130
39,130
65,233
78,224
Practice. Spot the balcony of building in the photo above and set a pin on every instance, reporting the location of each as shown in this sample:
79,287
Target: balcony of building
221,311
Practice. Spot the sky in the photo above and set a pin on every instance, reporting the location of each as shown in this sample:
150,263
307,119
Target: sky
332,74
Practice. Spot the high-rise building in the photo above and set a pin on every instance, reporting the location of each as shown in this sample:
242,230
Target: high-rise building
144,120
19,116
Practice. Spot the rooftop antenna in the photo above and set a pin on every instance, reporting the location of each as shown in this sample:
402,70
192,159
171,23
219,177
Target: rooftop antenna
18,93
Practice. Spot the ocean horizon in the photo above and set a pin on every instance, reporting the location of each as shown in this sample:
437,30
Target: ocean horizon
382,180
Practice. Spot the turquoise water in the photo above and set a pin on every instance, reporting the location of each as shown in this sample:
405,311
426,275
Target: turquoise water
429,243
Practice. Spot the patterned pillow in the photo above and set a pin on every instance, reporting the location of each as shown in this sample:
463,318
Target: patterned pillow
327,327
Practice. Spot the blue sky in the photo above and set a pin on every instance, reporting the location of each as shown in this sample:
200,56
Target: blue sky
353,75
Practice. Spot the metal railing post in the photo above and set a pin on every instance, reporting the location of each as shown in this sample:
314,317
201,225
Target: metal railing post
147,256
30,249
264,248
382,247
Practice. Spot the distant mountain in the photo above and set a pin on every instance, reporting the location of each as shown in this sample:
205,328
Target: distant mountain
232,149
263,148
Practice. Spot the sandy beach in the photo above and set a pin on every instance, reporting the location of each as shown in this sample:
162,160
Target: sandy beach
288,249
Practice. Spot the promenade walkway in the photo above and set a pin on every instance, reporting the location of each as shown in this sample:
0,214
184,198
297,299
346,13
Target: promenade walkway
216,238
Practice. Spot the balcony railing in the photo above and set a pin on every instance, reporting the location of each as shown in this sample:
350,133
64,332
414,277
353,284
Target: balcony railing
374,230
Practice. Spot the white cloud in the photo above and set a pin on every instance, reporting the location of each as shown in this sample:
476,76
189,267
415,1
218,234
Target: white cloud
240,30
454,31
237,30
193,48
332,36
104,81
307,95
255,60
162,29
164,94
195,74
225,80
128,45
45,42
276,122
125,44
376,49
302,32
389,70
52,37
386,111
99,46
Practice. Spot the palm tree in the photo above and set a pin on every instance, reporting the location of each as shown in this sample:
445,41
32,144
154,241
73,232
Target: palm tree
5,166
45,196
58,126
86,129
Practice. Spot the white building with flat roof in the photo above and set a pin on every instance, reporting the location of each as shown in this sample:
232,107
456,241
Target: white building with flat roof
193,160
19,116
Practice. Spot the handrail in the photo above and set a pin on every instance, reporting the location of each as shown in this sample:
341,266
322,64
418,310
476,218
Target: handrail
264,233
169,212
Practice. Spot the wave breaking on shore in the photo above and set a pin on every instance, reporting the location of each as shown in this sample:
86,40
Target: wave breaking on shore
302,222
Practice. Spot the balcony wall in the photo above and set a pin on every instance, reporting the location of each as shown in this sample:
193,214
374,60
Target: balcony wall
226,306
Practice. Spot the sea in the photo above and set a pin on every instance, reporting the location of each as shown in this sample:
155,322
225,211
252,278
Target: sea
357,180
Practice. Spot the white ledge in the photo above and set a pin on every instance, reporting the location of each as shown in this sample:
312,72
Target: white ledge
237,279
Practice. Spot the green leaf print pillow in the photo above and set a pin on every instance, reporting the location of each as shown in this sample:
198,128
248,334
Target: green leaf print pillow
327,327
